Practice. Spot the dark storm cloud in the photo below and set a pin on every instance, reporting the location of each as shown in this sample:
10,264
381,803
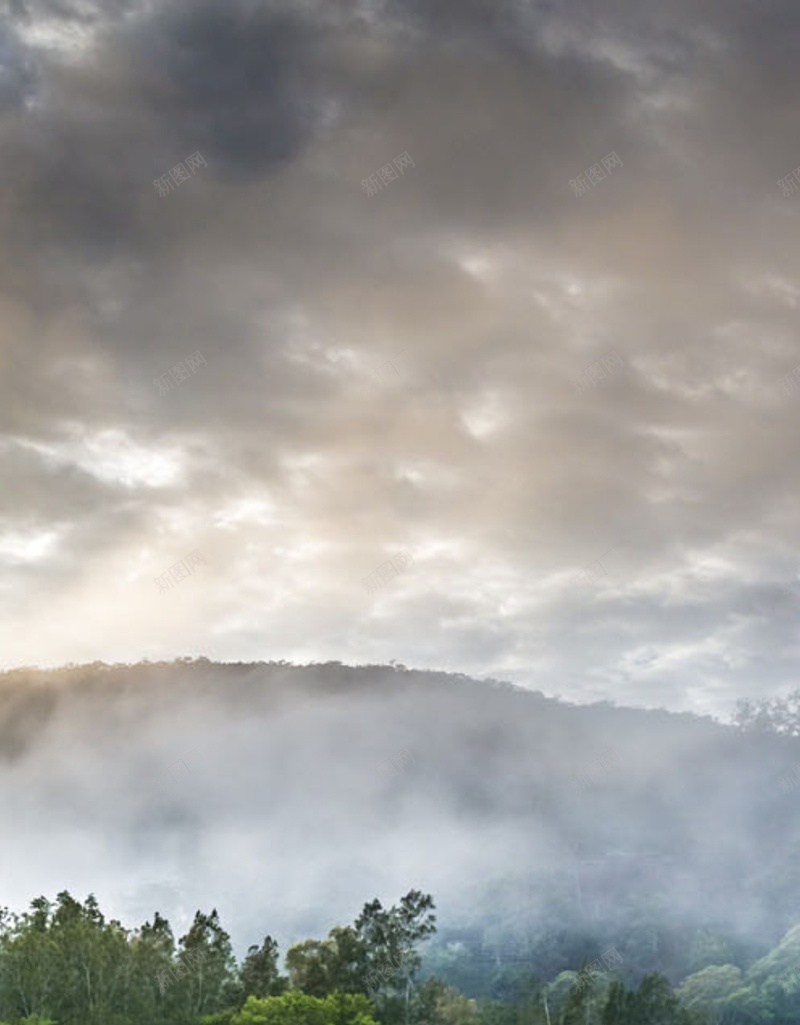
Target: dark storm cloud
482,24
239,82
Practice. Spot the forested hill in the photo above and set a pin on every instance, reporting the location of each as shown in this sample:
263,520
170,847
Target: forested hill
282,794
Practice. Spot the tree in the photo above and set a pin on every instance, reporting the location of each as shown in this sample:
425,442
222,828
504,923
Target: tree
65,962
653,1003
557,992
152,949
26,962
390,937
259,975
320,967
309,967
294,1008
747,1006
205,967
585,1002
437,1003
709,987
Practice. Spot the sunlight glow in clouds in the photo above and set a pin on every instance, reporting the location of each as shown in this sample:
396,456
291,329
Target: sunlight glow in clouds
28,548
481,267
258,511
112,457
487,416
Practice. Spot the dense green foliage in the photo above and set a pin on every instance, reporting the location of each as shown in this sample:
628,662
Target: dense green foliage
63,963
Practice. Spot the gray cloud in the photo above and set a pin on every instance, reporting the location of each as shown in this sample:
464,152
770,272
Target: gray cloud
290,459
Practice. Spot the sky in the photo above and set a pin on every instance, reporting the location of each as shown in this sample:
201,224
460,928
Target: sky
456,332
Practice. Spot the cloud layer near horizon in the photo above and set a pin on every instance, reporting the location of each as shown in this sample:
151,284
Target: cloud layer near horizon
402,371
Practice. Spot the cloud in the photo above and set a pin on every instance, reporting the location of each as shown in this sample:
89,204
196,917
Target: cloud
289,458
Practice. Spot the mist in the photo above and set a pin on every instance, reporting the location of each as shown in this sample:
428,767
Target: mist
288,796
